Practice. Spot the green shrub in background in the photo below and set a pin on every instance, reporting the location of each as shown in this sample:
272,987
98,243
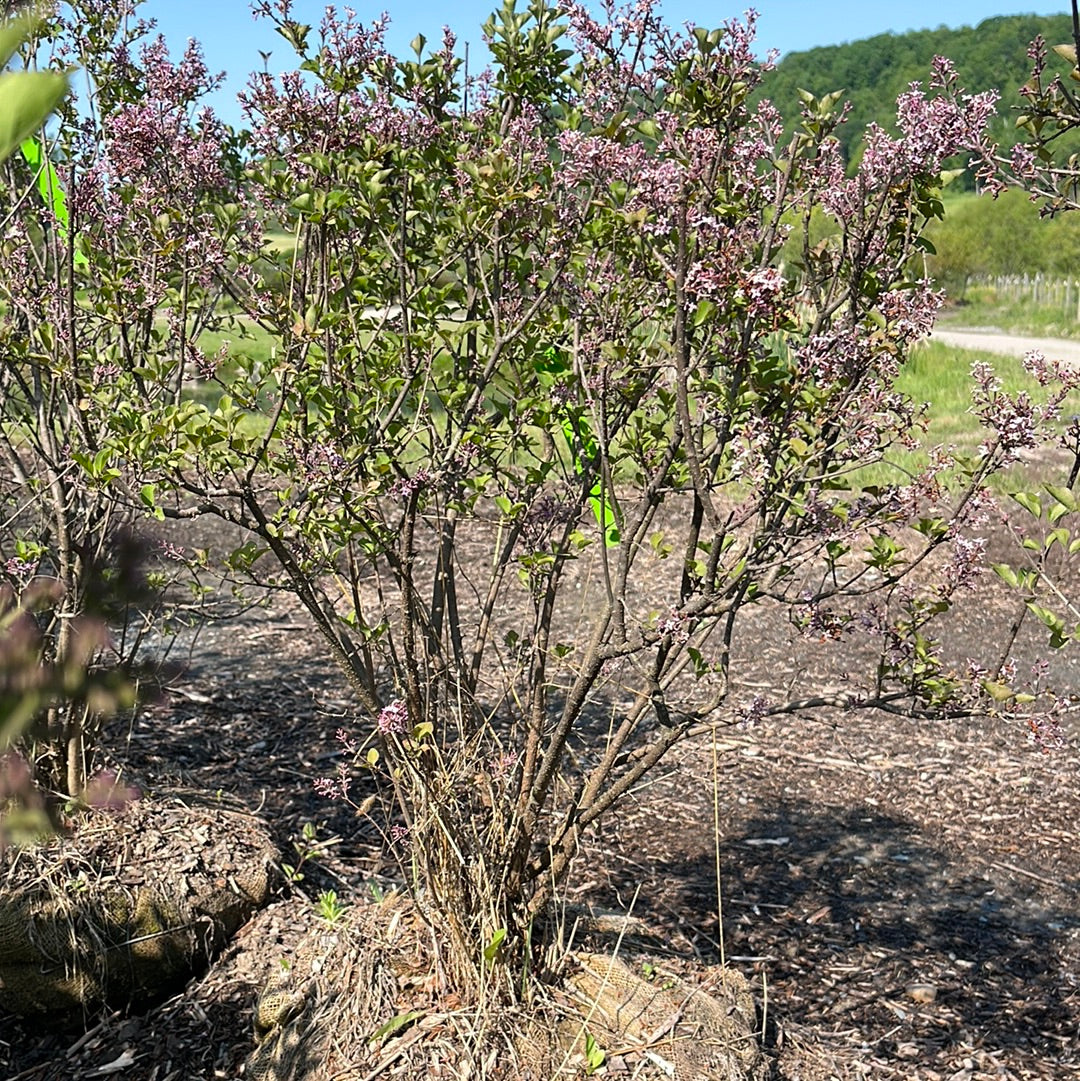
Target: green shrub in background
37,677
981,237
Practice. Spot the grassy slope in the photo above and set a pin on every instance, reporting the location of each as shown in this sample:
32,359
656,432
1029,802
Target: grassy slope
940,376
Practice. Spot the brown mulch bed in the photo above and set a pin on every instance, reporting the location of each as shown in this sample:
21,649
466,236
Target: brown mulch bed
903,894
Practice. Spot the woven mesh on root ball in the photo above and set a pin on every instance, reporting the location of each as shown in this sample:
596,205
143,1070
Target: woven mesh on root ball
128,903
363,998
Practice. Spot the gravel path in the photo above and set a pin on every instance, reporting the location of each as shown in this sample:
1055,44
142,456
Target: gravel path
993,340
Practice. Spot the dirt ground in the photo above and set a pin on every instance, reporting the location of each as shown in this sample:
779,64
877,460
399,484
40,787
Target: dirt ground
993,340
903,895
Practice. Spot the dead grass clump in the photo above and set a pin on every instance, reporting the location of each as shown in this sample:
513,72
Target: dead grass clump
362,998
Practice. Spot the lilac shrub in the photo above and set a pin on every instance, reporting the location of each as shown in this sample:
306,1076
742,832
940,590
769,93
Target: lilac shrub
111,260
560,390
1044,520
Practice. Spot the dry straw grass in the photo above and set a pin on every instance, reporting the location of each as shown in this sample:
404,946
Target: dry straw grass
361,999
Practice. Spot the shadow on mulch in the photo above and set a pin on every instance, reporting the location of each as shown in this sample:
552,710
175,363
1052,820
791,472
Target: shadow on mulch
858,921
841,908
251,716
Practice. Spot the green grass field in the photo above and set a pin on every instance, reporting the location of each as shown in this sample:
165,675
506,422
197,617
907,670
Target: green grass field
936,374
940,376
984,307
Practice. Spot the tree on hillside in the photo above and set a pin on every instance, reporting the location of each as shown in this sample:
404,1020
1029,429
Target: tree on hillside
873,72
1043,162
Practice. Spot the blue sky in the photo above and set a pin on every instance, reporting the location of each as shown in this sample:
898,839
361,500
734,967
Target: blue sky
231,38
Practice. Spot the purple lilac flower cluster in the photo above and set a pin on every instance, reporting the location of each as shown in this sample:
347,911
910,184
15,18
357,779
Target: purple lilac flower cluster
316,461
325,116
20,568
1046,734
393,720
965,564
503,765
819,622
545,513
932,130
1013,419
404,488
675,625
174,552
336,787
752,713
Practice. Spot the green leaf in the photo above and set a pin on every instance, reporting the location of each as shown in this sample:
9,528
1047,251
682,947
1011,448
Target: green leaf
935,528
1068,52
1030,502
594,1055
1053,622
999,692
605,515
1059,536
491,950
51,191
614,124
148,495
14,32
703,312
1006,574
26,100
395,1024
296,34
1064,496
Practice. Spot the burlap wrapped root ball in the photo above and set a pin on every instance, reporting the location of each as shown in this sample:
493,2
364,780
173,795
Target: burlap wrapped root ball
359,997
130,903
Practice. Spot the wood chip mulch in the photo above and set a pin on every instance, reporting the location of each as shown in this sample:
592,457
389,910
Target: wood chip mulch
905,896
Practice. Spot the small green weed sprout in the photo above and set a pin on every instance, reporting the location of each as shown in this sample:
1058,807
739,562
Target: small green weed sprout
308,848
594,1055
330,908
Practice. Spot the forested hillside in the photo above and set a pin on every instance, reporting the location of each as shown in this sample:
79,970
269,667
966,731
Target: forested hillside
874,71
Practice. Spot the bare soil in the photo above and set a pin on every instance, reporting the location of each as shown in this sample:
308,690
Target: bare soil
903,895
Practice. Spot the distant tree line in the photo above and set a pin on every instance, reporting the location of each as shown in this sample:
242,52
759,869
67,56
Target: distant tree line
873,72
981,237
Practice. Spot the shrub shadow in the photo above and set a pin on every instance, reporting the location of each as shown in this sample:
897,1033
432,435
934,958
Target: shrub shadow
858,919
